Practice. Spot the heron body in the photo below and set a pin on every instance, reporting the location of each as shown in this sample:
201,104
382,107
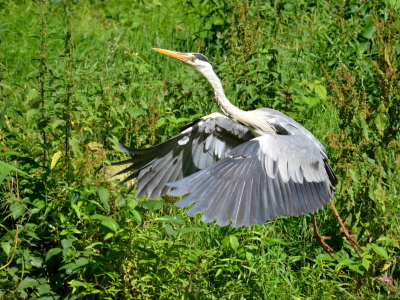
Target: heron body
240,167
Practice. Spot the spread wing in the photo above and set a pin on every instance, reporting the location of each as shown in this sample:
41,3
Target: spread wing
200,144
267,177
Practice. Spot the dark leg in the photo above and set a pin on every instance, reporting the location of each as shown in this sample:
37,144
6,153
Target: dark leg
320,239
346,233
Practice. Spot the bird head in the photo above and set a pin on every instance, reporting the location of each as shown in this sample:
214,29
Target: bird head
195,60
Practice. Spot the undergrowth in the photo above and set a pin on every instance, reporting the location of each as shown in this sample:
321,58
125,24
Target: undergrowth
77,78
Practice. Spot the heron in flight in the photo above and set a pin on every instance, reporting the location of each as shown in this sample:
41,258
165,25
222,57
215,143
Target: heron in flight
240,167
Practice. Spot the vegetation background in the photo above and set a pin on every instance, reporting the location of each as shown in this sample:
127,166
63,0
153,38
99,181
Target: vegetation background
77,77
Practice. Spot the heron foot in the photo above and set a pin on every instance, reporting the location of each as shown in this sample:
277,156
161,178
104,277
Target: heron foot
352,241
320,239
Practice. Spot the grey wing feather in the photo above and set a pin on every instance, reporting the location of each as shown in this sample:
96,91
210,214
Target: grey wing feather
267,177
200,144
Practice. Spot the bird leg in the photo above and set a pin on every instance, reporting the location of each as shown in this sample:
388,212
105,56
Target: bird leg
346,233
320,239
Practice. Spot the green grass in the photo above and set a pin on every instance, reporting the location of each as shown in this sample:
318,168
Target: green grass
76,78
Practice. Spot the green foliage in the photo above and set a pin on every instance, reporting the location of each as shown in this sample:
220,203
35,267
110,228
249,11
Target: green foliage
76,78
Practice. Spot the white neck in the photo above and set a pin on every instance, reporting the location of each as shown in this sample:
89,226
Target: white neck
224,104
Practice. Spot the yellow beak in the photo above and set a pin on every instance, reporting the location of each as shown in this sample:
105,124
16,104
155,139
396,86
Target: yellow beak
177,55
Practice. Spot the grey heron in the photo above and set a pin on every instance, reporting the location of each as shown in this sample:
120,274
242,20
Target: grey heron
240,167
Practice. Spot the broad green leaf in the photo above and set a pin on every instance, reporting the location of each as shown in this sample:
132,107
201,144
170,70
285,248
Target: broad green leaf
225,241
76,209
104,195
320,90
311,101
98,217
57,123
368,30
366,263
17,210
75,145
324,256
134,112
31,95
66,244
152,204
82,262
52,252
108,236
110,223
71,266
136,215
160,122
44,289
234,242
170,230
6,248
380,251
76,283
28,282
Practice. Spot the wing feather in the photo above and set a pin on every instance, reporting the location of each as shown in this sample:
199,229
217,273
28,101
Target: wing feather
260,180
200,144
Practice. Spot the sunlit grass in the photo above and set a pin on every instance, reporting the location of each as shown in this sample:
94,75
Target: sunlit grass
83,237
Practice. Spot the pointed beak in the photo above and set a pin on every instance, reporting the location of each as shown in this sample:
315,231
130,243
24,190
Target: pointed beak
183,57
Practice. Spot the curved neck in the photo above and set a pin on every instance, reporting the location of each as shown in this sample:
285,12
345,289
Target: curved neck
230,110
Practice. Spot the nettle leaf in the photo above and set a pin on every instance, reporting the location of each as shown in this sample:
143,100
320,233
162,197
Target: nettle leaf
6,248
379,250
104,195
135,112
320,90
52,252
110,223
311,101
17,210
75,145
57,123
324,256
66,244
44,289
160,122
136,215
31,95
82,262
170,230
68,266
369,30
28,282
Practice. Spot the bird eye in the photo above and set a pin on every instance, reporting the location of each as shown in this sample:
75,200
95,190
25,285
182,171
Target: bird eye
193,58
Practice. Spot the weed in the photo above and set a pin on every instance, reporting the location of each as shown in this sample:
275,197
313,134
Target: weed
72,87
